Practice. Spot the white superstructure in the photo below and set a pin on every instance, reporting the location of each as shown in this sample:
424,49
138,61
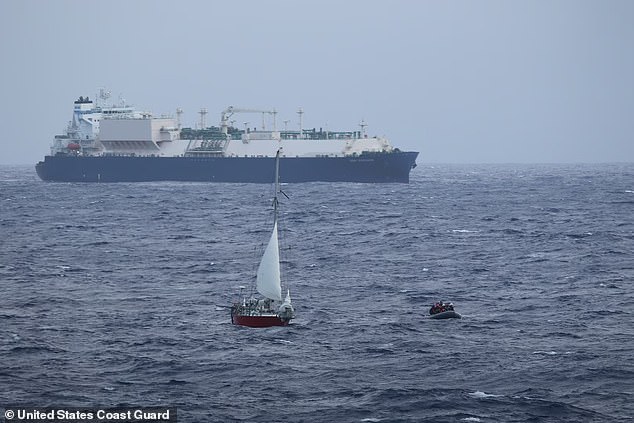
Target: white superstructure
83,130
106,129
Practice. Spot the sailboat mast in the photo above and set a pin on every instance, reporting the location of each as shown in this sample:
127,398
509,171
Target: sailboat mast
277,185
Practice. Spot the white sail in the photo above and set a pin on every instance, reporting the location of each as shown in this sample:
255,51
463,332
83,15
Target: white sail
268,276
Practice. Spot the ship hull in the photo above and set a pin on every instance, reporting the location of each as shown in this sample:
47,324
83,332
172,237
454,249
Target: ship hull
449,314
258,321
369,168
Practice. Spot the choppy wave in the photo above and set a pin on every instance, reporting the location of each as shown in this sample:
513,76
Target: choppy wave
118,295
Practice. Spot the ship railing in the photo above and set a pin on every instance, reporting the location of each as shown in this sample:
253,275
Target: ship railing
254,307
313,134
260,135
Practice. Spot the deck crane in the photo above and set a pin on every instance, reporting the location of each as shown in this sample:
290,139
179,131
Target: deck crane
229,111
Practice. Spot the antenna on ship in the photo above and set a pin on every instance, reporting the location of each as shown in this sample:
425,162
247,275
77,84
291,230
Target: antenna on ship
300,112
104,95
179,113
203,115
363,125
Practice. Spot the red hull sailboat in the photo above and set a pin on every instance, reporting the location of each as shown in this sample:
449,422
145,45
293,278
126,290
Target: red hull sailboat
259,320
269,310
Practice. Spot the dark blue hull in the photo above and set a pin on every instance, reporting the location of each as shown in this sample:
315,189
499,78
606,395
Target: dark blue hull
449,314
375,167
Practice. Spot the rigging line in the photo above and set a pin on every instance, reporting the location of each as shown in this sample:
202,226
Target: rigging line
254,268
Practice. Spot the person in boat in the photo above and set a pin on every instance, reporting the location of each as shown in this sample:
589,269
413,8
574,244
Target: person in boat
441,307
267,304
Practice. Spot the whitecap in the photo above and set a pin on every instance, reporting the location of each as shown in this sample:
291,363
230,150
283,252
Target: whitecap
480,394
471,419
425,269
463,231
545,352
371,419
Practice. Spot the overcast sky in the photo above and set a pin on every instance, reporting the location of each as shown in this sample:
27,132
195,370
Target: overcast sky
460,81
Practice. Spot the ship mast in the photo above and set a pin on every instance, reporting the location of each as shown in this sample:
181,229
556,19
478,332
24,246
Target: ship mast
300,112
203,120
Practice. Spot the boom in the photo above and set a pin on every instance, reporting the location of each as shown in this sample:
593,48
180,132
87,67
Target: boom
229,111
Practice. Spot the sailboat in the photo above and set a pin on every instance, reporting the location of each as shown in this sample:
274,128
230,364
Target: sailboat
269,310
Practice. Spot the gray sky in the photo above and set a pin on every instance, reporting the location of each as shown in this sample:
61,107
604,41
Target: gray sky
459,81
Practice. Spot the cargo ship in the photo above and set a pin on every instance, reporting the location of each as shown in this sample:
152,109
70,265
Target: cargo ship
115,142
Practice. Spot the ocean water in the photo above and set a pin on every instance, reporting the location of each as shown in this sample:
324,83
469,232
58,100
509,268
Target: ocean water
116,294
